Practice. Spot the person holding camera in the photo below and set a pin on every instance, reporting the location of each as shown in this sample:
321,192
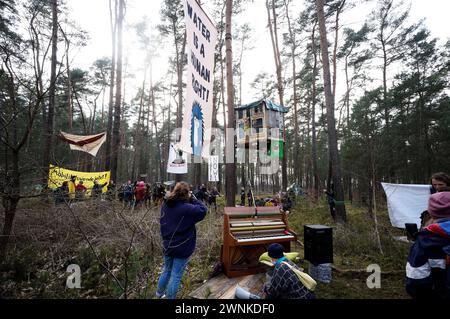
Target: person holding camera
180,212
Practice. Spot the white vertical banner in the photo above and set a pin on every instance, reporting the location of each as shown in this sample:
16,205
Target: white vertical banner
201,37
213,168
177,162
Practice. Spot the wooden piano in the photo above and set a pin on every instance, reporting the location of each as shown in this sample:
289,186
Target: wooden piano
247,232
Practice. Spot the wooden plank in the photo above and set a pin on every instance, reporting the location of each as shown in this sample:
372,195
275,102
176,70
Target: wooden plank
222,287
255,285
241,281
229,293
252,283
213,288
226,285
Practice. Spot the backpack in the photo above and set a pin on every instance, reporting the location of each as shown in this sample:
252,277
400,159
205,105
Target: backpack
305,279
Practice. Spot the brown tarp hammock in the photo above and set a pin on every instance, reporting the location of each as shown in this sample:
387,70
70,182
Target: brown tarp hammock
85,143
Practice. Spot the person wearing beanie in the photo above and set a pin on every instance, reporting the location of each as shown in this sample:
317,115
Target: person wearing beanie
439,205
284,283
428,265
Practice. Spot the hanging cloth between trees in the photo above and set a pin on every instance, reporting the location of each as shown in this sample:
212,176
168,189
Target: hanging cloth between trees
406,202
85,143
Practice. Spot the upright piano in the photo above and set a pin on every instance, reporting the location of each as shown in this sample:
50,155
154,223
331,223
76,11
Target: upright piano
247,232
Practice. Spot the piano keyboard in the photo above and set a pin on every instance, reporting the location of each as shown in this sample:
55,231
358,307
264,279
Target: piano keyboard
256,223
243,240
235,229
258,235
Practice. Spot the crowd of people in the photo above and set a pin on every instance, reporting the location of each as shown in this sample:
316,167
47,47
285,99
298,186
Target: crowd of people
71,191
139,193
208,197
131,194
282,200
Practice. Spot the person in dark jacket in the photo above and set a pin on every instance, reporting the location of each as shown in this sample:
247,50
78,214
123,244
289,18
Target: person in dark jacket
284,283
242,196
212,198
148,195
128,194
286,203
331,201
62,193
200,194
97,189
179,214
428,265
111,190
161,193
250,198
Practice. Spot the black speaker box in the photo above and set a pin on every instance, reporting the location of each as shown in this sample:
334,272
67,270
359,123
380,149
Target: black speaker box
318,240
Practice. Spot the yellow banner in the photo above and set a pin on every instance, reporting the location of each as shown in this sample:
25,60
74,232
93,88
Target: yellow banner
58,175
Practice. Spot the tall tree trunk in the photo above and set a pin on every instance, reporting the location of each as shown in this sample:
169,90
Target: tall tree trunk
48,148
9,202
222,94
331,125
152,103
69,85
109,129
315,170
385,64
336,40
118,99
296,158
230,166
347,95
276,51
374,197
137,141
385,101
383,40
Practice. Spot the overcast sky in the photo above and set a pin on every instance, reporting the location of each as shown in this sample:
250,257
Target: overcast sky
93,16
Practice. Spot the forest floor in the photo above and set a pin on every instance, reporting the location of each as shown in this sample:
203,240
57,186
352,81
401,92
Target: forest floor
119,251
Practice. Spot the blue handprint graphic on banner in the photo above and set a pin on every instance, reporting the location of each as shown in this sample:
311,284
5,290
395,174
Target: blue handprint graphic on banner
197,129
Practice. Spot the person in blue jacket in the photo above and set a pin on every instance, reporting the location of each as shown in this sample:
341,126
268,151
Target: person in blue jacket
179,214
428,266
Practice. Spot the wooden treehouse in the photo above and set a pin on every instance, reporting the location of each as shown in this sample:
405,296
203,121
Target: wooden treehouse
261,123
